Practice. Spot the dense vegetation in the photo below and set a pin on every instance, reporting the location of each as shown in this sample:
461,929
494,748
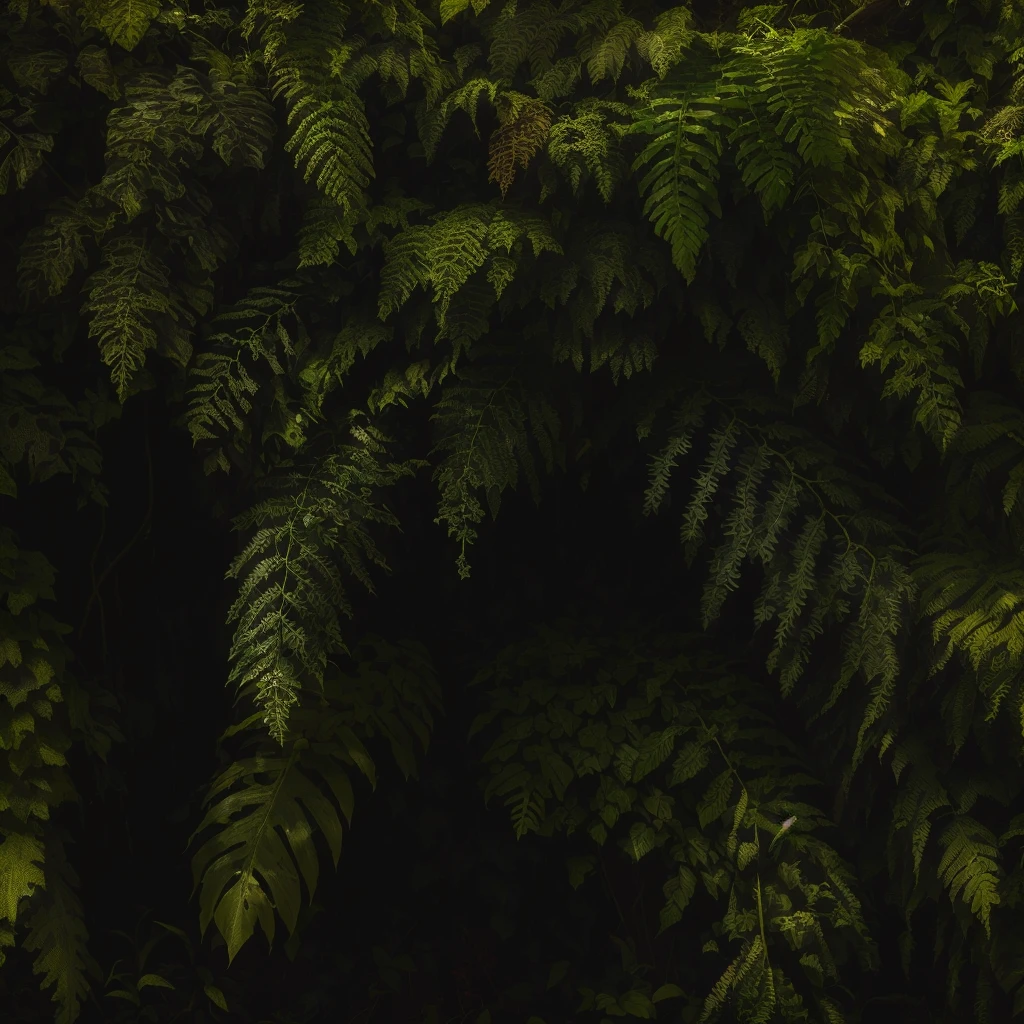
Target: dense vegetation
715,305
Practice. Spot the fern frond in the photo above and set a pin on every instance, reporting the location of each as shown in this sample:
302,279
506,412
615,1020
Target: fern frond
21,870
291,591
739,528
245,870
128,295
991,441
976,607
522,131
325,225
51,253
919,796
916,339
322,373
262,328
723,440
747,961
484,425
767,167
446,253
678,892
43,429
330,140
558,81
605,50
818,93
317,71
243,127
970,866
530,34
680,166
583,143
663,47
432,123
867,563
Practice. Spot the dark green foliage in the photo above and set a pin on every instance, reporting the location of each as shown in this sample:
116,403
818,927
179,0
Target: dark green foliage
791,233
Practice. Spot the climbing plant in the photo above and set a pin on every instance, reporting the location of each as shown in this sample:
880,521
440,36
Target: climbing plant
391,262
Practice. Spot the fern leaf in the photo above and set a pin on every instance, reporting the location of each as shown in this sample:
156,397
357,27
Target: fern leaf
605,52
320,374
317,71
917,800
585,144
52,252
324,226
483,440
528,34
654,751
766,166
291,591
801,580
258,329
739,528
690,762
707,481
916,339
448,252
127,294
523,130
245,869
331,140
976,607
681,173
432,123
664,45
970,865
817,94
732,977
244,124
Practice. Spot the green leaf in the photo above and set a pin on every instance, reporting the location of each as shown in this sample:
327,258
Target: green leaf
451,8
690,762
716,799
216,997
558,971
56,933
96,70
153,980
21,869
245,867
637,1004
124,21
127,294
666,992
579,868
